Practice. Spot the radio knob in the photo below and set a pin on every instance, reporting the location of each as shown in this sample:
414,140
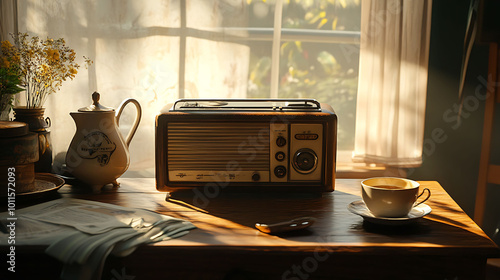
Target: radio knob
280,156
281,141
280,171
305,161
255,177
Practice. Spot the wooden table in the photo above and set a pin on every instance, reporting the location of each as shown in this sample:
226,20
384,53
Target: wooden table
446,244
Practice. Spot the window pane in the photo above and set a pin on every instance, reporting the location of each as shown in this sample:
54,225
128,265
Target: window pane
215,69
206,14
322,14
312,70
260,13
158,51
310,65
323,72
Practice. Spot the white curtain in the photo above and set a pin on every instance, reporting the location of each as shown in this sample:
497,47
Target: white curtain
153,51
392,85
8,19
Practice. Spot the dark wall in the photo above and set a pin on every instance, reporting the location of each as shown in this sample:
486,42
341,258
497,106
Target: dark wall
451,149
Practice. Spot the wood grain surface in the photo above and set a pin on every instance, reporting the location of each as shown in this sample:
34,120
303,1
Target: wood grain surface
445,244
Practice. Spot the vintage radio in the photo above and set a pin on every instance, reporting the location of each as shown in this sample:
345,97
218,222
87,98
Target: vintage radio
283,145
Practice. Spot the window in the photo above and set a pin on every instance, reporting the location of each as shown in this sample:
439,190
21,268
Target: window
158,51
318,52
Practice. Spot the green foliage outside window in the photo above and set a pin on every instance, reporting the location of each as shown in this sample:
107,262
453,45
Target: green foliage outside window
323,71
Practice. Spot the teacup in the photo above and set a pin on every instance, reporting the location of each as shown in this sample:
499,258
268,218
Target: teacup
391,197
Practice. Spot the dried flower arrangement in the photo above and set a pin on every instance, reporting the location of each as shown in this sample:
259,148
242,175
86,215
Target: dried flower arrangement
42,65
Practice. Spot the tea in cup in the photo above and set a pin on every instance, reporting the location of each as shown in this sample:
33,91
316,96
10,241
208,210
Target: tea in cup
391,197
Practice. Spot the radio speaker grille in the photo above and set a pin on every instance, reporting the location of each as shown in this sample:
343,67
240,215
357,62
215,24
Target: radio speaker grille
218,146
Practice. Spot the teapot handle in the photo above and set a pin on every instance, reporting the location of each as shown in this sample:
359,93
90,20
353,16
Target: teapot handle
137,117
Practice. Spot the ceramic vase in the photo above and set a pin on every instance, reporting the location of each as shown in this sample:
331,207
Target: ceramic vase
37,123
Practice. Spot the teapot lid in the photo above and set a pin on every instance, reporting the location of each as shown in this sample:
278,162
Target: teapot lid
96,106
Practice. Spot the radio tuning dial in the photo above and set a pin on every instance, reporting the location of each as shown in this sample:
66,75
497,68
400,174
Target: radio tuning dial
305,161
281,141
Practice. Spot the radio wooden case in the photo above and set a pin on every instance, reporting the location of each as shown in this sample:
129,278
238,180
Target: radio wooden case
278,145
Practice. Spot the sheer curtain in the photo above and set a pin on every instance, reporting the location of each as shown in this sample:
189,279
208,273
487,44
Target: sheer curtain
153,51
8,19
392,86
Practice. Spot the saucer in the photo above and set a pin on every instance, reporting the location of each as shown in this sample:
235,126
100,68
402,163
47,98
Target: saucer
359,208
45,183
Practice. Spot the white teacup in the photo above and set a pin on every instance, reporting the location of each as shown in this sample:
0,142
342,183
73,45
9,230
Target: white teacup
391,197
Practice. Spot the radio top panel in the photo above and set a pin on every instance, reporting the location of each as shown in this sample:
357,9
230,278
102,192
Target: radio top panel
288,105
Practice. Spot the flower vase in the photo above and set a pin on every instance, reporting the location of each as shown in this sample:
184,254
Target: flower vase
34,117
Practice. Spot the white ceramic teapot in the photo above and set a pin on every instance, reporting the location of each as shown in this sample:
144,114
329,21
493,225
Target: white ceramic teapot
98,154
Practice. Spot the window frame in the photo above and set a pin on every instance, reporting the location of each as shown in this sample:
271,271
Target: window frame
346,168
